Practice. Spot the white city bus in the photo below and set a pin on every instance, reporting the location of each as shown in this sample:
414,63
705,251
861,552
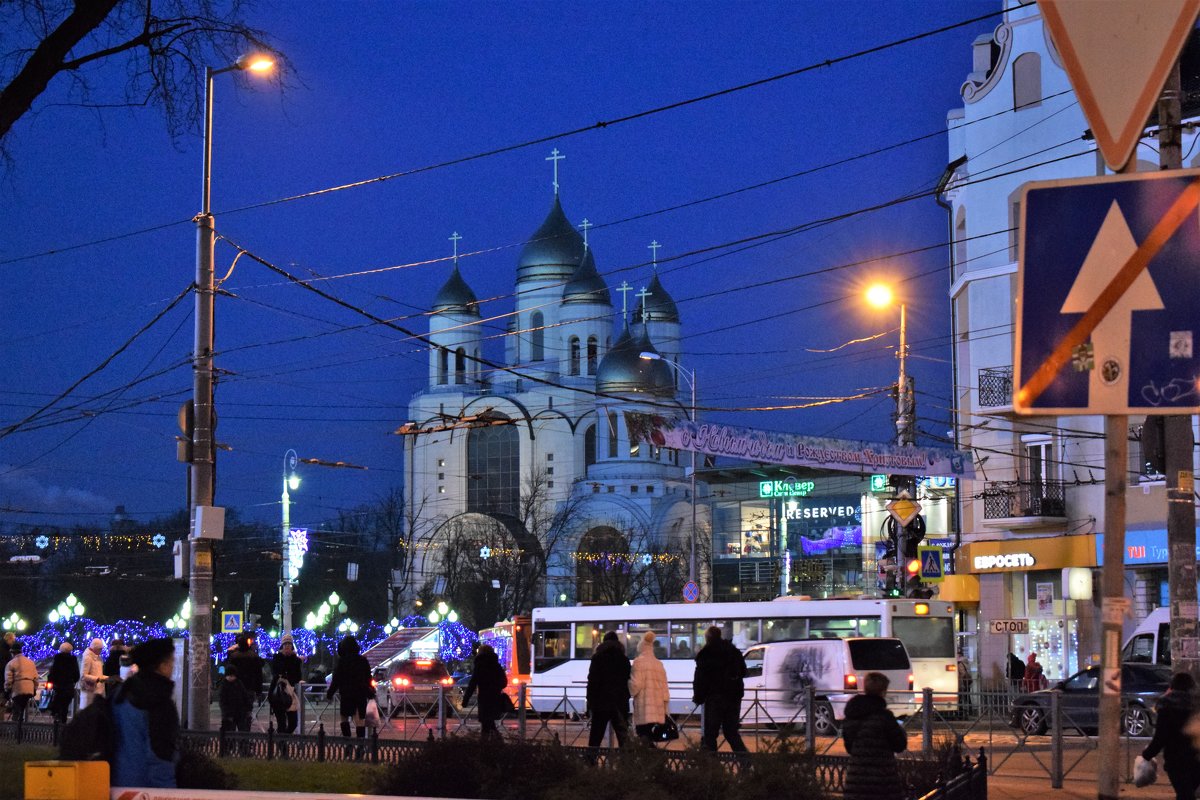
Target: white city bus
564,639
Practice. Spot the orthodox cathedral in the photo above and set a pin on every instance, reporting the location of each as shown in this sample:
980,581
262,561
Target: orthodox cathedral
520,472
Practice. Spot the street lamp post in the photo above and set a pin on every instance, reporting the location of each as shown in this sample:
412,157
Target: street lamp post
203,452
290,481
690,377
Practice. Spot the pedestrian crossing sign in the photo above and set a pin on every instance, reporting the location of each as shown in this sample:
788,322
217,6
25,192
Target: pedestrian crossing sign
933,564
231,622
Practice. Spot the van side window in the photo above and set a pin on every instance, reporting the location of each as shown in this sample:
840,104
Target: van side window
754,662
1140,649
1164,644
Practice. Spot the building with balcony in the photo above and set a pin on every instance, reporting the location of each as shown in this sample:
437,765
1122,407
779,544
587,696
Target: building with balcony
1040,480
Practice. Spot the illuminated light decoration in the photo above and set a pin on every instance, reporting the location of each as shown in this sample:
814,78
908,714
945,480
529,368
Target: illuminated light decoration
789,487
297,547
443,609
485,552
158,540
434,617
452,616
647,559
42,542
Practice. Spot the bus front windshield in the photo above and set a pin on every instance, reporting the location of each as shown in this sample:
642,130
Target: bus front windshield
925,637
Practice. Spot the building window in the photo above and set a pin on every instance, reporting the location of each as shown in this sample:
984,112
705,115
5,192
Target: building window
441,476
612,489
649,490
635,449
460,366
549,456
1027,81
574,355
633,490
549,470
441,490
1014,224
589,446
537,330
612,434
441,462
443,366
493,469
595,488
960,238
549,484
593,354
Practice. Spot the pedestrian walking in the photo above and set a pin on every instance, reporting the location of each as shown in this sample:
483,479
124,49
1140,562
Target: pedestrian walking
62,677
117,651
351,681
872,737
719,685
1181,761
145,720
236,702
284,695
1016,672
649,689
489,680
608,691
1035,677
20,680
92,679
244,661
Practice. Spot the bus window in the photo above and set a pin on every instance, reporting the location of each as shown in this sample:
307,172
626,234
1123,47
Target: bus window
832,628
1164,644
683,639
521,647
869,627
551,648
589,635
754,662
745,633
925,637
636,630
784,630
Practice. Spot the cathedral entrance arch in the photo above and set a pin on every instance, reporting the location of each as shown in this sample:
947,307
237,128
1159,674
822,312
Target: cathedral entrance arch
603,567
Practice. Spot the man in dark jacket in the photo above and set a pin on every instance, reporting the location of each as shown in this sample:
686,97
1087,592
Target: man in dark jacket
244,661
1180,758
718,685
872,737
608,690
145,720
63,675
351,681
489,679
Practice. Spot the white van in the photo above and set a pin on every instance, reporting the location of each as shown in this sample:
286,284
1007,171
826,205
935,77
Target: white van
778,672
1151,642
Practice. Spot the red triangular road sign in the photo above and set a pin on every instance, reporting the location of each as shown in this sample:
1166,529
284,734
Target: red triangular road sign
1117,54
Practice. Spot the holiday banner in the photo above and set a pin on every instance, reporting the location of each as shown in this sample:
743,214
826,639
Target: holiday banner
799,451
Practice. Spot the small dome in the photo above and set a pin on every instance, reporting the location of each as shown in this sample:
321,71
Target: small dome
660,306
624,371
553,252
586,285
456,296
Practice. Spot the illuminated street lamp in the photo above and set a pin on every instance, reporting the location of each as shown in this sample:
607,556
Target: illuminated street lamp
291,481
881,296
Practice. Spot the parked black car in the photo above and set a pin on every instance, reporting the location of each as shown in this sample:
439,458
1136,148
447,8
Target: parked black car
1141,686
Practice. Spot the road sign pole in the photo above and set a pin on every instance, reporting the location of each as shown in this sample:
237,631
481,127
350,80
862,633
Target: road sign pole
1178,444
1116,462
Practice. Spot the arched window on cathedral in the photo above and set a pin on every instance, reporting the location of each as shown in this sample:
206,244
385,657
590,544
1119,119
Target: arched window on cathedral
573,349
1027,81
593,354
589,446
537,330
602,572
460,366
443,357
494,469
612,434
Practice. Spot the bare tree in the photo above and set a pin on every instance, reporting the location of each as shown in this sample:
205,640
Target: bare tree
632,565
160,47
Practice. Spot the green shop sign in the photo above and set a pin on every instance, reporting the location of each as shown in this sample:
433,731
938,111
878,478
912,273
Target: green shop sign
785,488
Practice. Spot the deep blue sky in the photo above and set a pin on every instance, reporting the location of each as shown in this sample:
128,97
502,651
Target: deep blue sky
383,87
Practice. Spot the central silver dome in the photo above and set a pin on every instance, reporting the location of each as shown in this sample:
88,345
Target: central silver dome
624,371
456,297
553,252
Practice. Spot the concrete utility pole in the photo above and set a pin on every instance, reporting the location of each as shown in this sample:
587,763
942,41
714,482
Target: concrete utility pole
1177,432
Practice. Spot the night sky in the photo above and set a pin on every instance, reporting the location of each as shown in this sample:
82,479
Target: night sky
382,88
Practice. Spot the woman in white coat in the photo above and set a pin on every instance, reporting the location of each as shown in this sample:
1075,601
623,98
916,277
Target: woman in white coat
92,679
648,687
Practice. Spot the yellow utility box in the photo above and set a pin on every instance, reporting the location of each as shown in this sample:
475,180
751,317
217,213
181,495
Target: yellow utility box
66,780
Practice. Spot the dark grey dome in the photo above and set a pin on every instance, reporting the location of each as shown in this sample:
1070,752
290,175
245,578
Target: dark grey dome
660,306
456,296
586,285
624,371
553,252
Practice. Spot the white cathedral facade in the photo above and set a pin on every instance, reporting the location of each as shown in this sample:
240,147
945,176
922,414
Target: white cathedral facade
523,485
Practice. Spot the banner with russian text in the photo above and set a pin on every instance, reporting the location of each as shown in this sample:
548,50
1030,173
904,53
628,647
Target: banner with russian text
799,451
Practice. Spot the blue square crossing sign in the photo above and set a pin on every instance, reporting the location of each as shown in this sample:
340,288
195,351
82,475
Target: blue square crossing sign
1107,296
231,622
933,564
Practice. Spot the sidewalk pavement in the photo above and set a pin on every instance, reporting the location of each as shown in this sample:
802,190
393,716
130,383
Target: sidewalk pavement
1006,787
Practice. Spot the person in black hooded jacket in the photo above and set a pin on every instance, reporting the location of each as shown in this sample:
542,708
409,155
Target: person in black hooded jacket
351,680
489,679
608,690
872,737
63,675
1181,761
